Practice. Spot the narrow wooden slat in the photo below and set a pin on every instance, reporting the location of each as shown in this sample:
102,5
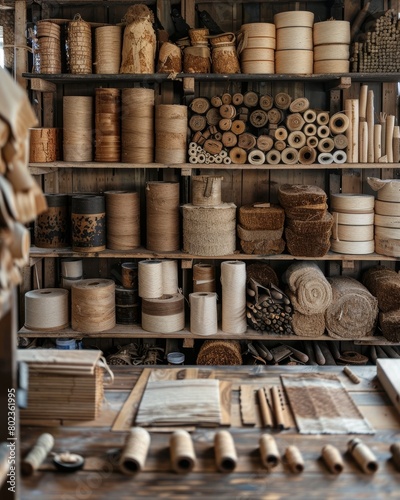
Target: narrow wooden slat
247,404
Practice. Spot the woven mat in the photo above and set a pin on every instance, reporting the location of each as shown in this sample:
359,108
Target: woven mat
321,405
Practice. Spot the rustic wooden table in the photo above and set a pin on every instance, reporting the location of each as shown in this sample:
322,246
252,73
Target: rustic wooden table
98,444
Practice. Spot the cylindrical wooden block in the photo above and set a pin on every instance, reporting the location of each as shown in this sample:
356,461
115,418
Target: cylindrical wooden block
171,133
78,129
52,227
363,455
294,459
183,457
225,451
107,125
88,217
123,219
134,453
43,145
269,451
332,458
38,453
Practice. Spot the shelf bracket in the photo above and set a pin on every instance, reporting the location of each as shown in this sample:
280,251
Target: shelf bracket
41,85
186,263
344,82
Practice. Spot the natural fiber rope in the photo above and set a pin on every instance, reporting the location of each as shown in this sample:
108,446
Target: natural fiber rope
233,281
150,279
46,309
123,219
93,305
203,313
163,315
203,278
169,276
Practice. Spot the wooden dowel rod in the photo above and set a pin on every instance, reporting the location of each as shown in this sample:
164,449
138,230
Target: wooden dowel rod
266,415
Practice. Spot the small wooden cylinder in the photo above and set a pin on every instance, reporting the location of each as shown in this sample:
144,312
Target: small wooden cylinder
52,227
269,451
332,458
363,455
37,455
88,217
225,451
134,454
294,459
43,145
183,457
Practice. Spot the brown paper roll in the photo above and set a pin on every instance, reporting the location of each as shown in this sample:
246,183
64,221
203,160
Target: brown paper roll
269,451
294,459
363,455
183,457
332,458
134,454
225,451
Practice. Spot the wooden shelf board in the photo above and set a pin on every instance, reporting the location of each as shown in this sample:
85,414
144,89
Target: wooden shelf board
135,331
142,253
45,168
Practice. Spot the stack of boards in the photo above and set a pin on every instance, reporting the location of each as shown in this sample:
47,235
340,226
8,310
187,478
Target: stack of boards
63,385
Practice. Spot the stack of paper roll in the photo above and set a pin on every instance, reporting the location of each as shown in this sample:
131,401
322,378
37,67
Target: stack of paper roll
260,229
294,42
256,46
331,47
308,224
387,216
353,229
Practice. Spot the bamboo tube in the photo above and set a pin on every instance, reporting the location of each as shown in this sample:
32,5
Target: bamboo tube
332,458
339,123
289,156
370,122
395,451
363,102
183,457
363,142
363,455
352,376
225,451
323,117
312,141
307,155
281,134
389,137
269,451
377,141
273,157
396,144
382,121
265,410
38,453
323,131
310,116
294,459
310,129
351,109
134,454
276,403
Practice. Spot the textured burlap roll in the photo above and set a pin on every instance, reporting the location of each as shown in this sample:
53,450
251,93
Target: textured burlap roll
220,352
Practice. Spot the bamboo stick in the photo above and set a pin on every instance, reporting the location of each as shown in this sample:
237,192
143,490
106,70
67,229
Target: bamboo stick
352,111
377,141
370,122
363,142
389,137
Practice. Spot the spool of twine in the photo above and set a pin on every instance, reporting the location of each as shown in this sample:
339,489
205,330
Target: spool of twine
165,314
52,227
206,190
150,279
79,46
169,276
331,52
387,233
387,208
386,221
107,125
257,55
294,18
353,219
108,44
233,281
171,133
352,203
71,268
203,278
209,230
298,62
78,128
42,145
162,216
342,232
134,453
183,457
93,305
225,451
258,67
294,37
137,125
46,310
37,454
88,217
352,247
123,219
331,66
331,32
130,275
203,313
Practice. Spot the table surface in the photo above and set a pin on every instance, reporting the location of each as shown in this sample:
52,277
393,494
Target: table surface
99,445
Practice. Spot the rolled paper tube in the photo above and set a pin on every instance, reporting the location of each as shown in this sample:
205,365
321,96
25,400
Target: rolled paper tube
269,451
225,451
325,145
323,118
38,453
294,459
339,123
325,158
310,129
323,131
332,458
183,457
312,141
273,157
395,451
363,455
289,156
339,157
307,155
352,376
296,139
256,157
134,454
310,116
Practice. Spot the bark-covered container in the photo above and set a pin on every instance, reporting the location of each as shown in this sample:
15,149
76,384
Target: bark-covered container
52,228
88,218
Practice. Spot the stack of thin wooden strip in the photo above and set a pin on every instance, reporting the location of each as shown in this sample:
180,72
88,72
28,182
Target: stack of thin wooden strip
63,384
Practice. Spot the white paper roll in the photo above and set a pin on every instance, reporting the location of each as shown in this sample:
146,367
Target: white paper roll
203,313
233,280
150,279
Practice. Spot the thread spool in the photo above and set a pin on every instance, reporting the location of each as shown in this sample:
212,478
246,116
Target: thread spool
123,219
171,133
42,145
52,227
37,454
93,305
107,50
363,455
233,281
134,455
88,218
294,62
169,276
150,279
203,313
333,459
127,310
107,125
183,458
46,310
225,451
79,46
203,278
130,275
71,268
162,216
294,459
137,125
206,190
209,230
165,314
269,451
77,128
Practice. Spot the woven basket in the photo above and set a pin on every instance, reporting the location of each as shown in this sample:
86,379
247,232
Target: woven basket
220,352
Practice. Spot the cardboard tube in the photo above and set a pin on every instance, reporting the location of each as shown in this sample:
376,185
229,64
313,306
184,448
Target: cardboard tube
269,451
332,458
294,459
183,457
225,451
276,404
38,453
363,456
134,454
395,451
265,410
